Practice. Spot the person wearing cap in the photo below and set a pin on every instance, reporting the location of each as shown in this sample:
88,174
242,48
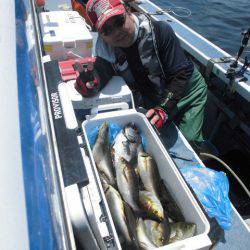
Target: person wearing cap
147,54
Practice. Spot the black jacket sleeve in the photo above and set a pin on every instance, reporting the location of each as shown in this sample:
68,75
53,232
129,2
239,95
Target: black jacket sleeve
104,71
177,68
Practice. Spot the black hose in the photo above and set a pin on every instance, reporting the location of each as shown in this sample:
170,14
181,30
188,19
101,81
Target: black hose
229,169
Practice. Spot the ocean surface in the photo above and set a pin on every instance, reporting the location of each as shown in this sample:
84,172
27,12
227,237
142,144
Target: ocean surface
220,21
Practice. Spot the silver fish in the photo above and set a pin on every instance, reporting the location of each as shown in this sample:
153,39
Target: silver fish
127,183
158,232
148,172
150,203
101,153
127,144
143,239
181,231
117,210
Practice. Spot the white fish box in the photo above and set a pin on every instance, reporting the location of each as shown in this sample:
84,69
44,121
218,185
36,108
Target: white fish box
63,32
168,172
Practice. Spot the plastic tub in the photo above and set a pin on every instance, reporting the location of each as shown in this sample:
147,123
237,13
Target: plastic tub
168,172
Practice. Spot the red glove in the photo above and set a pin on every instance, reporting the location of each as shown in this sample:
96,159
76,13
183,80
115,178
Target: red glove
87,83
86,88
157,117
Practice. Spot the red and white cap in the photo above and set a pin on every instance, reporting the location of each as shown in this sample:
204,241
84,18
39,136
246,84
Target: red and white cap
99,11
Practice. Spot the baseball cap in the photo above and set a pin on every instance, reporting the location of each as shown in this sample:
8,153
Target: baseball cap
99,11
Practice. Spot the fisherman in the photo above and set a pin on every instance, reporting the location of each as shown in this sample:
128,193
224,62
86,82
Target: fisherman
147,54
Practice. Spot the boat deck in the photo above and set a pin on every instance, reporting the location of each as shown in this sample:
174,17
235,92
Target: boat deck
18,216
203,50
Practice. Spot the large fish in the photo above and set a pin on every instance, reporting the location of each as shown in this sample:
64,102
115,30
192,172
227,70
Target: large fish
127,144
151,204
119,214
148,172
181,231
144,241
158,232
127,182
101,153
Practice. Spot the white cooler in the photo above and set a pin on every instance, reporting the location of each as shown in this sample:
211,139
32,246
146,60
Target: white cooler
63,32
168,171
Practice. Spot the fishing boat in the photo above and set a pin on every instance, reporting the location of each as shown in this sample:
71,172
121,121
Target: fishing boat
51,197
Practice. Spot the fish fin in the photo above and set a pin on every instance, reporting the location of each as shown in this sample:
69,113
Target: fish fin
104,179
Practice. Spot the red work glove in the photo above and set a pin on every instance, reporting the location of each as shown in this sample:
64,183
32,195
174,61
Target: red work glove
86,89
87,83
157,117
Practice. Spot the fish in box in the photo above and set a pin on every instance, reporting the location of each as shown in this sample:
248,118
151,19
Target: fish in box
154,226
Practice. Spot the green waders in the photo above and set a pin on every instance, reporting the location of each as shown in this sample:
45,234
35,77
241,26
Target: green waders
189,112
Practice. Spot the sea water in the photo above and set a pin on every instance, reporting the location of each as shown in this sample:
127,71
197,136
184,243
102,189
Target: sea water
220,21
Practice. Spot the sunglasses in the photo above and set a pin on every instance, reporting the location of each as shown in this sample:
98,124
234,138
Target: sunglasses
118,22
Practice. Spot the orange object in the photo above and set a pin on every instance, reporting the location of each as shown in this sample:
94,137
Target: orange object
81,9
40,3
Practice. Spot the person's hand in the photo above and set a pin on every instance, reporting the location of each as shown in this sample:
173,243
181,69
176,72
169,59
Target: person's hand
87,83
86,88
157,117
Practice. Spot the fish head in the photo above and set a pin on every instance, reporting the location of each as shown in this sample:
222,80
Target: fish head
104,181
131,132
141,159
142,154
162,233
105,186
189,228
